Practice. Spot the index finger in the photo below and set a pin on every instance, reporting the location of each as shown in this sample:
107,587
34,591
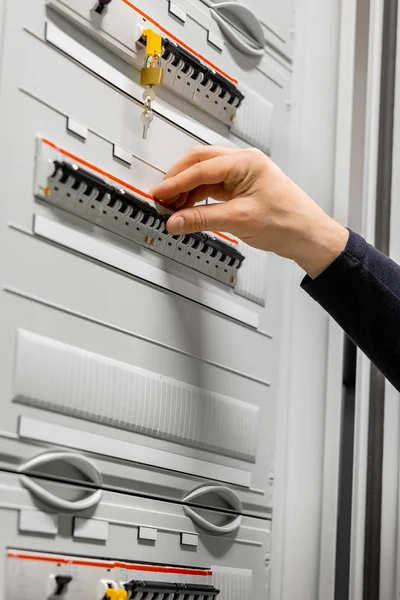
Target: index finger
198,154
208,172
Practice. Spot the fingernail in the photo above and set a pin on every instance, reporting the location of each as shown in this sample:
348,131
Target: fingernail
176,225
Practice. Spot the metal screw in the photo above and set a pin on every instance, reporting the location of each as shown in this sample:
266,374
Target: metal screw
271,479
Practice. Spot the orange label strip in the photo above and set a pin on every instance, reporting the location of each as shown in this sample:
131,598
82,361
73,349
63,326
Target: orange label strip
51,559
173,37
110,565
119,181
226,237
98,170
175,570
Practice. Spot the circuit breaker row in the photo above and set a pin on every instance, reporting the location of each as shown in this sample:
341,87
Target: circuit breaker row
183,69
79,191
148,590
48,576
190,77
142,590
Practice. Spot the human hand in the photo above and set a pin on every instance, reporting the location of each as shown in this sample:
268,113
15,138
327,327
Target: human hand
258,203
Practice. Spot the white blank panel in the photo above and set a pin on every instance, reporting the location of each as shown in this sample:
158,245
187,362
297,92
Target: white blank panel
190,539
72,381
122,154
38,521
215,41
147,533
90,529
177,11
75,127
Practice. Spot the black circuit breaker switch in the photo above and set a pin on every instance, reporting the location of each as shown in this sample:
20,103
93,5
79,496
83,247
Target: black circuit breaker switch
101,6
183,591
61,582
71,187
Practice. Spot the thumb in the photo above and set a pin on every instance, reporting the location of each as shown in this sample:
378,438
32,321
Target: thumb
203,218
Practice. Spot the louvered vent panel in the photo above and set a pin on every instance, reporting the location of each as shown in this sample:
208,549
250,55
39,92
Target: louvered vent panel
252,277
235,584
254,121
71,381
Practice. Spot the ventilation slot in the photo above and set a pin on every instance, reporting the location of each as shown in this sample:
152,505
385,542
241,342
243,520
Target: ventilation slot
254,121
235,584
72,381
251,282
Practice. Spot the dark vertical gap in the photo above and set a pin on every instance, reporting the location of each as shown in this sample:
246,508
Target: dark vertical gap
346,459
343,536
382,239
374,487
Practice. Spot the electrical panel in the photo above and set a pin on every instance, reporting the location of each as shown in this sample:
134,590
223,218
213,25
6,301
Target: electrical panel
81,191
124,547
198,75
140,371
196,79
35,575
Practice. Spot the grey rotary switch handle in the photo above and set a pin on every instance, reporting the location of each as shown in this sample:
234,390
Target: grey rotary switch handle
228,495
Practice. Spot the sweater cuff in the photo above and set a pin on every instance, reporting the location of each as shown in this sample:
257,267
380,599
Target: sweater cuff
351,256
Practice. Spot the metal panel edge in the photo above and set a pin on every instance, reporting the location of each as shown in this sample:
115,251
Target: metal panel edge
51,433
363,364
88,246
390,533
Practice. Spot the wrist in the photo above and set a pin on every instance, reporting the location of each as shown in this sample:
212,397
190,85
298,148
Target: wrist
320,244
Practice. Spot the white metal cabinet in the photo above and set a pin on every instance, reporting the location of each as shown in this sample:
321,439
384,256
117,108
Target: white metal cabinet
237,561
60,295
49,290
265,85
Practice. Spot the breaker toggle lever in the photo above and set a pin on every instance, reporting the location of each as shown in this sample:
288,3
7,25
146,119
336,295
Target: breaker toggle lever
58,585
62,581
101,6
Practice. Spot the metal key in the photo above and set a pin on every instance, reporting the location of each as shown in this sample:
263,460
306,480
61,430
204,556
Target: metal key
146,119
147,114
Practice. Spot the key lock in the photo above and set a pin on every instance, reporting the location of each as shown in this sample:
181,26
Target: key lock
151,75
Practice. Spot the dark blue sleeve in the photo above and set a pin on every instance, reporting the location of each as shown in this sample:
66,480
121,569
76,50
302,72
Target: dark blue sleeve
361,291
